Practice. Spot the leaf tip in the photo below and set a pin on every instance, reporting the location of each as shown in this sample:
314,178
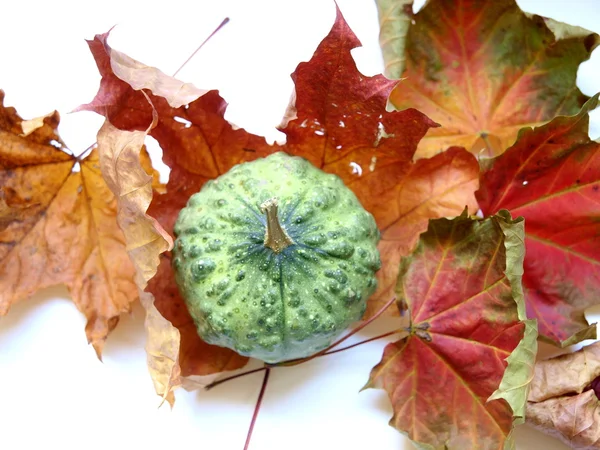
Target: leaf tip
98,346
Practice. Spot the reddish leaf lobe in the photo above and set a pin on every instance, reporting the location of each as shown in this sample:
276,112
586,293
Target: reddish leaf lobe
113,92
551,176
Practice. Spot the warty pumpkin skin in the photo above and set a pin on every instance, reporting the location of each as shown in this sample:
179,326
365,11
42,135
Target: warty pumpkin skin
275,258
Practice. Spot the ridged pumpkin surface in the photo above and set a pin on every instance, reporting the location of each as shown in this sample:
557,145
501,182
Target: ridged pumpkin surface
275,258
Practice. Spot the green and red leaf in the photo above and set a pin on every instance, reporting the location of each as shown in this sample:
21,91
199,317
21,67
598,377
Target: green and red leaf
461,291
551,177
483,69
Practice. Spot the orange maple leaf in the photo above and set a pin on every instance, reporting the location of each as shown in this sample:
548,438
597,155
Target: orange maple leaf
58,225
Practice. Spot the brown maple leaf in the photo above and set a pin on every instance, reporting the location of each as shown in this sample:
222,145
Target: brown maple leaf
341,126
483,69
563,401
57,225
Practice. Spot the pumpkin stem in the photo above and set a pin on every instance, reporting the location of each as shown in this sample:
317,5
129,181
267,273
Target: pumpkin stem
275,237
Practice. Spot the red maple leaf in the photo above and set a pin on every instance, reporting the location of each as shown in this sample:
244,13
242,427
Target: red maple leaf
551,176
462,301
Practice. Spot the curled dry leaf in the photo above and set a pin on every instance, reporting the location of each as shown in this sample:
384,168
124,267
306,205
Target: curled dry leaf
125,175
120,74
551,177
469,344
562,401
340,125
485,71
58,225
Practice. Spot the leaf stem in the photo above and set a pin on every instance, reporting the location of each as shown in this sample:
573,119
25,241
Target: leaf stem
329,352
79,157
233,377
257,407
202,45
381,336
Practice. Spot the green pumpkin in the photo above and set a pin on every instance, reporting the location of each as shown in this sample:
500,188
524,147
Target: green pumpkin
275,258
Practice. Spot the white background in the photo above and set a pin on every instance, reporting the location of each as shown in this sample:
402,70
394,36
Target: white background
54,392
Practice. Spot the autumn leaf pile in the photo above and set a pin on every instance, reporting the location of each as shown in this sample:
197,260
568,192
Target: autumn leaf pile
483,182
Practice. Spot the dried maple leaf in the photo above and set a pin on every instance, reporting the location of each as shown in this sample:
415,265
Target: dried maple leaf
468,342
551,176
124,77
58,225
562,401
341,125
483,70
125,175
